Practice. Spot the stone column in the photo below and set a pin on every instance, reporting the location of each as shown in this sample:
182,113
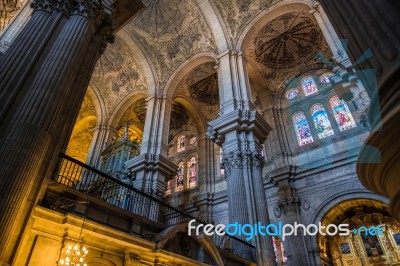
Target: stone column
295,249
241,131
151,167
101,136
44,76
14,27
374,25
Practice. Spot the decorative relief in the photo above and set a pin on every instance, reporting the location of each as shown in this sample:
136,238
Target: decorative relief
239,160
285,46
201,85
82,134
237,14
181,34
287,41
117,74
162,17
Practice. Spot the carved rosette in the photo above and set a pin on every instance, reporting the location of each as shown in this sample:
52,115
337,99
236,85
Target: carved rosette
239,160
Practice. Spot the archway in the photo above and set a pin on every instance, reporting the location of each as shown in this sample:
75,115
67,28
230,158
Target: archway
361,247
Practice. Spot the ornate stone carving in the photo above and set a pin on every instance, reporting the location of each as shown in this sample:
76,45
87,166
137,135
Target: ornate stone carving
237,14
162,17
177,40
287,41
117,74
8,9
82,134
286,47
201,86
238,160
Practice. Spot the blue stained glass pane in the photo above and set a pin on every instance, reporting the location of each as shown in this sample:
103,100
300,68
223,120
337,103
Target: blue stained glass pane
302,128
321,121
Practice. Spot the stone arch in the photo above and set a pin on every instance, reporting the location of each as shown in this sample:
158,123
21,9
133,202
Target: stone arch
205,241
194,112
217,30
123,107
98,103
267,15
330,203
183,70
142,60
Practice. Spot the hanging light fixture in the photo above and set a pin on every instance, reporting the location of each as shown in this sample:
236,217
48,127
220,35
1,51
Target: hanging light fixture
73,254
73,251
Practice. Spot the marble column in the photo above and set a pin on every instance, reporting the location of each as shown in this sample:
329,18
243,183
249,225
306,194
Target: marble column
44,76
241,131
152,168
374,25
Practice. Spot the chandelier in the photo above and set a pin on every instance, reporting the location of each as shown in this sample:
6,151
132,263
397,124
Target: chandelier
73,254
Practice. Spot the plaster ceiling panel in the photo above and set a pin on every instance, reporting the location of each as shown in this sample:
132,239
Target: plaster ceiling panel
117,74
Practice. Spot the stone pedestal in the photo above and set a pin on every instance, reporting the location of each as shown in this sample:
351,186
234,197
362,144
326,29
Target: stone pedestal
374,25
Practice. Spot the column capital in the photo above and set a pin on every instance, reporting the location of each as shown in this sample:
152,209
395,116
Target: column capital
242,159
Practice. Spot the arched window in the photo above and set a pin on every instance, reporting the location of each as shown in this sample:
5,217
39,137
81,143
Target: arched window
342,113
321,121
179,177
290,94
309,86
191,173
180,145
325,78
302,128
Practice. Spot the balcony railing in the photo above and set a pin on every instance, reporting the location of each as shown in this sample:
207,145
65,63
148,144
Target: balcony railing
94,183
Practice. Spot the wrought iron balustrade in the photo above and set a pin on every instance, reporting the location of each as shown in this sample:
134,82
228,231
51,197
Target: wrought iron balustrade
94,183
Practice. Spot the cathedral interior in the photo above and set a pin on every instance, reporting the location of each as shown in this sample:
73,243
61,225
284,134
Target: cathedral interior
121,121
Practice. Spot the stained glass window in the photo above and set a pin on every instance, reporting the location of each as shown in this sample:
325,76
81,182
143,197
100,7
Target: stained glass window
179,177
342,113
192,173
181,143
290,94
321,121
302,128
168,191
325,78
309,86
